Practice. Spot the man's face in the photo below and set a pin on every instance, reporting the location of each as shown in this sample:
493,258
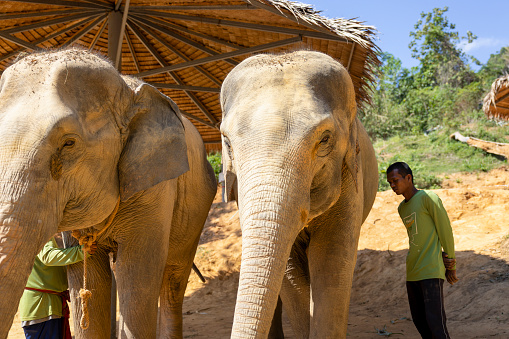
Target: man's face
399,184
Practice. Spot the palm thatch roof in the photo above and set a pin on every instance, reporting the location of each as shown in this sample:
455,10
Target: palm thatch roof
186,48
496,102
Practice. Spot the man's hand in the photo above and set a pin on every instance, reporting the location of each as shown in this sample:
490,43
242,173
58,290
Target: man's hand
449,263
451,277
92,248
450,269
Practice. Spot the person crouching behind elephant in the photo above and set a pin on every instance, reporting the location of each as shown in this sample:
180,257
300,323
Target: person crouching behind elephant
43,306
429,230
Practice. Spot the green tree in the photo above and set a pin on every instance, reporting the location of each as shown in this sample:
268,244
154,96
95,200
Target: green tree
497,66
214,159
434,44
395,81
383,117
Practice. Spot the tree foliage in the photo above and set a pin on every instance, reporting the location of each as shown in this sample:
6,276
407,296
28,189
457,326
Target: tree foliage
214,159
435,45
442,91
497,65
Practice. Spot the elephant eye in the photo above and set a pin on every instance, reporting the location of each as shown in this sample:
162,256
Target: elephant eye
69,143
228,146
325,145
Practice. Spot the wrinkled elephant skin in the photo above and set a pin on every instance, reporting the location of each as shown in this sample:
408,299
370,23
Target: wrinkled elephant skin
304,174
76,139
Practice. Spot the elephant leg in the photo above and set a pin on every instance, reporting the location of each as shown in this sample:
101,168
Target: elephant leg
139,272
295,291
332,254
185,233
99,282
172,296
196,190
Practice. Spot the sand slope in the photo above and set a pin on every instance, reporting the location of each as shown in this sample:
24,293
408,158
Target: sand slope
477,306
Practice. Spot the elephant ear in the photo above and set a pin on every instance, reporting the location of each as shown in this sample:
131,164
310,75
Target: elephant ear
155,148
351,157
230,177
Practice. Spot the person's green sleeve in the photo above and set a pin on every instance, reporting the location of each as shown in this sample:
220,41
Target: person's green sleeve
442,224
52,255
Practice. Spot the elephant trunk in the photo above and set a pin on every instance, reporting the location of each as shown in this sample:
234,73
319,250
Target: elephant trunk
18,249
22,236
271,217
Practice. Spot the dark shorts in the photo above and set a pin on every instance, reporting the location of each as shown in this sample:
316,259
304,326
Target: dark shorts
50,329
426,299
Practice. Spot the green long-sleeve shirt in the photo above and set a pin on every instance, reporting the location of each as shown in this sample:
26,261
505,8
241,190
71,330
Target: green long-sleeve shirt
429,230
48,273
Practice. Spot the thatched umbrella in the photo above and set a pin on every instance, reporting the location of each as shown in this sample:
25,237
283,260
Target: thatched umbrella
496,102
186,48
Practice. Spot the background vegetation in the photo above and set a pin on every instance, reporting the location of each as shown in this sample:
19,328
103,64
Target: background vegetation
215,160
414,111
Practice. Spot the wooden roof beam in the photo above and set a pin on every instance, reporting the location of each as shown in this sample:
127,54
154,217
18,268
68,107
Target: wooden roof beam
98,3
498,100
223,56
163,62
118,3
131,50
98,34
198,7
183,39
186,88
240,24
180,54
47,23
197,102
67,3
18,41
84,31
350,58
201,121
19,15
164,24
121,35
43,39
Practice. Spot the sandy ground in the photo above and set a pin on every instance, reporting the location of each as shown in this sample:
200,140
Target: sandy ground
477,306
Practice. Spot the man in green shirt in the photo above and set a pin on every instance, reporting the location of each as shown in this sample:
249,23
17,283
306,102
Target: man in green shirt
44,299
429,231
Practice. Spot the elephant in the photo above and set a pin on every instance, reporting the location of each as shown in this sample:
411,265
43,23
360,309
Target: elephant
78,139
304,173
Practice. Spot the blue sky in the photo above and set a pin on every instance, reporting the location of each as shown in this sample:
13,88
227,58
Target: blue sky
395,19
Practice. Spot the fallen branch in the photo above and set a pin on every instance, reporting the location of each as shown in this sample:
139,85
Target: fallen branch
497,148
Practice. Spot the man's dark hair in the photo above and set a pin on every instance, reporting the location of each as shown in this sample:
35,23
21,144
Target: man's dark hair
403,169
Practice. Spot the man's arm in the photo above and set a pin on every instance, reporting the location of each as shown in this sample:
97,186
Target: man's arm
52,255
442,224
445,236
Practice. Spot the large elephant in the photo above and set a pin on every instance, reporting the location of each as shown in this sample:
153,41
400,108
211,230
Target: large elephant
304,173
75,140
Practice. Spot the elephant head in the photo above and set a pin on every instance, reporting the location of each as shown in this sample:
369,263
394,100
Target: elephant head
75,138
290,143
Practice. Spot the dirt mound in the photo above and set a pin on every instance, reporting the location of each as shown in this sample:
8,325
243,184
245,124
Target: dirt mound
477,306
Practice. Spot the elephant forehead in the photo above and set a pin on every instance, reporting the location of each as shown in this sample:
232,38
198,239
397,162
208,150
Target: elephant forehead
276,110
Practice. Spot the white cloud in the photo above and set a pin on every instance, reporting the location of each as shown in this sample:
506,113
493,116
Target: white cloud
480,43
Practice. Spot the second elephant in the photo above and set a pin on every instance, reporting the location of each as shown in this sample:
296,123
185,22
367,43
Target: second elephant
304,173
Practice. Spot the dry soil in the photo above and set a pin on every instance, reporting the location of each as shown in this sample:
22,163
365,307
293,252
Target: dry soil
477,306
